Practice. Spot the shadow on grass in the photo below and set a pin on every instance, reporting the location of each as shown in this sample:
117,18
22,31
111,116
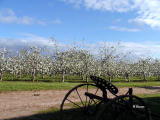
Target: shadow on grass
76,114
55,114
154,104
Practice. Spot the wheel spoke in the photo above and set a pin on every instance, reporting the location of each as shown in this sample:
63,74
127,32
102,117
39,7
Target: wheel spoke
74,103
76,98
86,97
90,102
94,101
79,97
96,91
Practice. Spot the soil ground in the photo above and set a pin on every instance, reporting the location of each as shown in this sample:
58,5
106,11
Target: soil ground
24,103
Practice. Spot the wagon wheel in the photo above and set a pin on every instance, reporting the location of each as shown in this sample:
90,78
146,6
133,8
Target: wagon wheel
76,100
134,107
125,107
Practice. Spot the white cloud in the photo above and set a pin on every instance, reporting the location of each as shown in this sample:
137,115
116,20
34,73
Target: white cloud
142,48
56,21
23,42
8,16
135,49
117,28
117,20
31,39
45,23
110,5
42,23
26,40
148,11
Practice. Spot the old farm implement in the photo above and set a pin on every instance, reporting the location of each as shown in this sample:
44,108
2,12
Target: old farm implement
100,101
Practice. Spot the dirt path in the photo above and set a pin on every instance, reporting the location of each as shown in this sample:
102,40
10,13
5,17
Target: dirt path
24,103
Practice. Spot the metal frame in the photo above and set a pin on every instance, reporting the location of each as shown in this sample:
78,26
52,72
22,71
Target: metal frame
125,101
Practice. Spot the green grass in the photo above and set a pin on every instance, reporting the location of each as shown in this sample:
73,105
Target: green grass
136,84
153,101
26,86
38,77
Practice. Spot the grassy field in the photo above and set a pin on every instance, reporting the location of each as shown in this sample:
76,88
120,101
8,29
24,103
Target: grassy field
72,78
26,86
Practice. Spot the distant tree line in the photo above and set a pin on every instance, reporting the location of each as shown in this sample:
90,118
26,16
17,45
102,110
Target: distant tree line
74,61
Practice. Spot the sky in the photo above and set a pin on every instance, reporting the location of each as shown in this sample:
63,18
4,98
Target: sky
135,24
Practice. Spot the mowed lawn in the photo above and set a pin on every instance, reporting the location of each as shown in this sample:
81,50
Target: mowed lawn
27,86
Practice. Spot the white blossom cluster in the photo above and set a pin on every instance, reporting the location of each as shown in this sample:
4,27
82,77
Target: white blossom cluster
76,61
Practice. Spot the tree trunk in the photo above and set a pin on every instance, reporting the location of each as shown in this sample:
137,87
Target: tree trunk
80,75
158,76
1,75
109,78
33,75
50,75
144,76
63,74
127,77
83,77
42,74
19,74
86,78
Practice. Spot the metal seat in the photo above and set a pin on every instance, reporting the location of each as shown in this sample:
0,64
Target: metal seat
103,84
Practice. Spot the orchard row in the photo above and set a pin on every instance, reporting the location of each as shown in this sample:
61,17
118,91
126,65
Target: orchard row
74,61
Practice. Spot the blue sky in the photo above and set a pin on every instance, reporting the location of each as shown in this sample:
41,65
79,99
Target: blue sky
133,23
